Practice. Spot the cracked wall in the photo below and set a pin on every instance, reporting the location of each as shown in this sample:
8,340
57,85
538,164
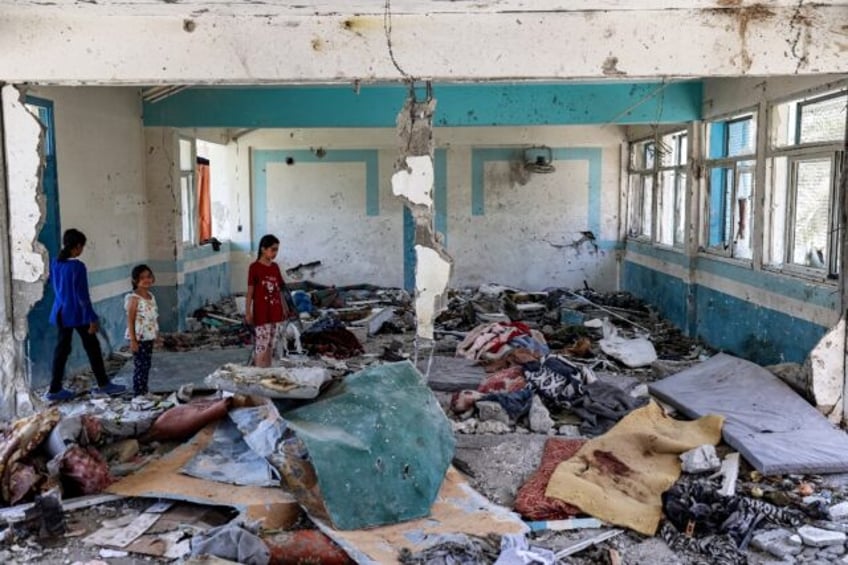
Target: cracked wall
100,44
25,271
413,183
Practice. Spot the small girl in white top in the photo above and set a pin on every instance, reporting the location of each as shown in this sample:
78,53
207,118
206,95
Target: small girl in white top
142,325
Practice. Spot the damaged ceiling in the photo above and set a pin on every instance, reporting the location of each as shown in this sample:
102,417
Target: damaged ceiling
257,43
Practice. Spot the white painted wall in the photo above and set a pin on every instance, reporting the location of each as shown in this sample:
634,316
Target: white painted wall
318,210
728,95
100,163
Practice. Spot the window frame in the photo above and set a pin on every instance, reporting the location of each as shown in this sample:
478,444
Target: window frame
795,153
679,168
189,216
637,171
640,172
726,248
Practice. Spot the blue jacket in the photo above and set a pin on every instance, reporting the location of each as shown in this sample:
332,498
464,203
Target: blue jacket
70,284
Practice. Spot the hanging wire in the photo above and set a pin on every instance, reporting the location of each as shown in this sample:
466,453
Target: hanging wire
387,27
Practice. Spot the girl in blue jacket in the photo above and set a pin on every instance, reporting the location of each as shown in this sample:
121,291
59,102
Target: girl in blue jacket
72,310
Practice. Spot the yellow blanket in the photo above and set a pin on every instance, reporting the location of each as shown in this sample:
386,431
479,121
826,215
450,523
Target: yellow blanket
620,476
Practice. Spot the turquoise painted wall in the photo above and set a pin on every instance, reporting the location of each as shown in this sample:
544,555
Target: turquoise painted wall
457,105
725,322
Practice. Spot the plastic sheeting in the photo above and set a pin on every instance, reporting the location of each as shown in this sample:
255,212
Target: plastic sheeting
228,459
380,446
774,428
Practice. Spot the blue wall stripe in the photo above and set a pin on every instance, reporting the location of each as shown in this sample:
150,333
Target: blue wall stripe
480,156
820,294
823,295
440,194
259,175
760,334
440,220
725,322
668,294
408,250
493,104
668,255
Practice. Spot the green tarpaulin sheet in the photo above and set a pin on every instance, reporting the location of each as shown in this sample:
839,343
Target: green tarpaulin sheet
380,445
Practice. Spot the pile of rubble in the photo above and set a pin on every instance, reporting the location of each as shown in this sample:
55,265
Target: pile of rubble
547,400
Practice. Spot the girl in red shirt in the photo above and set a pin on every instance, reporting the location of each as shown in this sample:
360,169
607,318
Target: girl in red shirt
264,304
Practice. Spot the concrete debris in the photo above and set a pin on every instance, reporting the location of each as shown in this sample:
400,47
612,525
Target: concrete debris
776,542
550,359
491,411
492,427
700,460
817,537
540,418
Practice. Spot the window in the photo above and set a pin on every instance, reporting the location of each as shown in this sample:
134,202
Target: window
672,182
807,138
658,172
188,195
730,186
641,189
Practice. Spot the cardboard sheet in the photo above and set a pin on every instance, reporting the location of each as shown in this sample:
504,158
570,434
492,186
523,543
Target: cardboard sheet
620,476
162,479
457,509
774,428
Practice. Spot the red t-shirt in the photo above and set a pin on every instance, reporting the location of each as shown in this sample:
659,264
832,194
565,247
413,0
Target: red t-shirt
267,283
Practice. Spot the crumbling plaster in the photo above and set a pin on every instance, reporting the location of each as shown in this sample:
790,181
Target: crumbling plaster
24,258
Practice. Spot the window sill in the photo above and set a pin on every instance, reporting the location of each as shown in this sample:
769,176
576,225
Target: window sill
809,275
724,258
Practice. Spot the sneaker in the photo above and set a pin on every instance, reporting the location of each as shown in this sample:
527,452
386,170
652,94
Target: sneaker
59,396
110,389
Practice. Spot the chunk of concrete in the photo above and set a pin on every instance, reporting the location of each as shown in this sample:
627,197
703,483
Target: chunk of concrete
488,410
838,512
468,426
570,430
700,460
776,542
817,537
492,427
827,369
540,418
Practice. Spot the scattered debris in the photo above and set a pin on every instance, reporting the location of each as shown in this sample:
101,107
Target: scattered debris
533,384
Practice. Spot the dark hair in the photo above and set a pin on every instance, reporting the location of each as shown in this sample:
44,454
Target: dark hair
267,241
137,271
70,239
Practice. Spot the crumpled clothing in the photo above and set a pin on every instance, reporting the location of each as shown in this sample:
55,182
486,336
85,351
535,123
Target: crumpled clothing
506,380
516,551
453,549
721,526
562,385
518,356
531,343
602,406
556,379
516,404
86,468
23,437
232,542
491,341
340,343
464,400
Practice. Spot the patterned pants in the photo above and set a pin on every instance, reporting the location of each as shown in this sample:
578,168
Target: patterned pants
141,362
262,344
